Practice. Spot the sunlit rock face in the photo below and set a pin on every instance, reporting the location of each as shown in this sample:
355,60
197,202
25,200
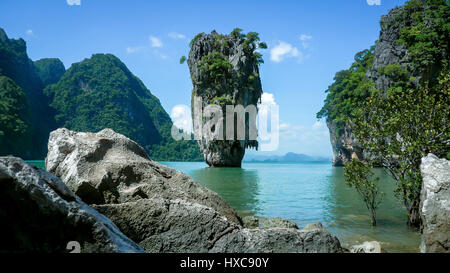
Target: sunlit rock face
435,204
224,71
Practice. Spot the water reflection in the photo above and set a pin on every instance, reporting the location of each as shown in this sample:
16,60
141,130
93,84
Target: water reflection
238,186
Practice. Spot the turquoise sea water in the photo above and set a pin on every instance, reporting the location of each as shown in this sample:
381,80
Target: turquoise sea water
307,192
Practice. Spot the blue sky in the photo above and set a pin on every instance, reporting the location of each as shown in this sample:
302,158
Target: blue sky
309,41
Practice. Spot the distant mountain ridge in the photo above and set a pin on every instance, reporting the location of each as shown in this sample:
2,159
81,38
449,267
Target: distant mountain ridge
96,93
289,157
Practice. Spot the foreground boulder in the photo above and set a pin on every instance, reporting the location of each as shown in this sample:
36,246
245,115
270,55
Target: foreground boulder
109,168
312,239
159,208
39,213
435,204
263,222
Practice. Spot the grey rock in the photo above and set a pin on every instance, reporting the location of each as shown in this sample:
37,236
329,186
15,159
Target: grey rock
244,90
162,209
250,222
314,226
366,247
278,240
345,145
39,213
278,223
162,225
387,50
109,168
263,222
435,204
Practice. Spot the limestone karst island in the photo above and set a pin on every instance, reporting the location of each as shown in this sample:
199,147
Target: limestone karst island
253,128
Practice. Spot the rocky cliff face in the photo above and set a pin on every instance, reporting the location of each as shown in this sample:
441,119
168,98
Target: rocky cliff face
435,204
234,80
345,145
387,52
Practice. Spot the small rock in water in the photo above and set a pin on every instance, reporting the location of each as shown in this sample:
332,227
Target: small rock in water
366,247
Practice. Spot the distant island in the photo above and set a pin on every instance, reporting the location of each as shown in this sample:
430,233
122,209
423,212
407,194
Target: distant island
289,157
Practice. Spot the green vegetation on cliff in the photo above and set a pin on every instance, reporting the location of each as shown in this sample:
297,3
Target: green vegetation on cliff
15,131
409,117
15,64
349,90
50,70
426,35
101,92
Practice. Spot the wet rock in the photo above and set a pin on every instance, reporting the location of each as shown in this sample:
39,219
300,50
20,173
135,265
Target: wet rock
39,213
435,204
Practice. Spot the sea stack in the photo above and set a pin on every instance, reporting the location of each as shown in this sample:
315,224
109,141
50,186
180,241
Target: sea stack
225,71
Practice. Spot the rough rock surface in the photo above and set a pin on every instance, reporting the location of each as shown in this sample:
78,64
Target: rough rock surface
367,247
245,89
39,213
262,222
163,225
345,145
435,204
315,239
159,208
387,52
250,221
109,168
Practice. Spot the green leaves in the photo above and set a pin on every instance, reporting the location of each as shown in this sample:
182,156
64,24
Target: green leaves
403,125
358,175
182,59
15,126
349,90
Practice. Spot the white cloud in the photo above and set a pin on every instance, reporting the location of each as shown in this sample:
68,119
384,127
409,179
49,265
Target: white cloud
181,117
305,37
268,99
176,35
134,49
155,42
265,110
374,2
284,50
29,32
73,2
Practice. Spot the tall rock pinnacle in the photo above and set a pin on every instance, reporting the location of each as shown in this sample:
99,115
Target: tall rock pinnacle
225,72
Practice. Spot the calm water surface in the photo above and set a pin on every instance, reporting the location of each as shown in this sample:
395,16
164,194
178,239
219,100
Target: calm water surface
309,192
305,193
